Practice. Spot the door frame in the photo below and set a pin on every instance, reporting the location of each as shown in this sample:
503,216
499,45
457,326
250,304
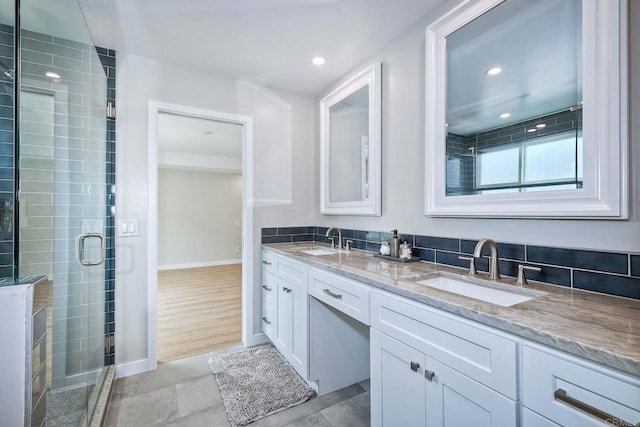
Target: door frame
155,108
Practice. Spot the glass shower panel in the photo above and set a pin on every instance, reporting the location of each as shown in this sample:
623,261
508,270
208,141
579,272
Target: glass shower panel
62,207
7,81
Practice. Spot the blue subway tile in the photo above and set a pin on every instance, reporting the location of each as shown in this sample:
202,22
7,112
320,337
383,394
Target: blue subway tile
553,275
590,260
449,258
373,247
270,231
276,239
441,243
360,234
302,238
425,254
635,265
505,250
359,244
607,283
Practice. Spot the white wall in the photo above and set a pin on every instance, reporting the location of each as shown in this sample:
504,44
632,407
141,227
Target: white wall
199,218
283,137
403,97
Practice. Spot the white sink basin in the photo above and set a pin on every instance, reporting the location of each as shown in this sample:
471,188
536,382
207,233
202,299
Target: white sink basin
471,290
319,251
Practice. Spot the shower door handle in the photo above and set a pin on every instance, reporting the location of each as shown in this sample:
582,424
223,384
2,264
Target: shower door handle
81,249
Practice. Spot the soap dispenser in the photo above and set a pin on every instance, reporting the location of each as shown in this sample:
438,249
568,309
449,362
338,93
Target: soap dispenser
395,244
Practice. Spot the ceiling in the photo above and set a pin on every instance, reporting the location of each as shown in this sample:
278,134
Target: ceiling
268,42
540,69
200,137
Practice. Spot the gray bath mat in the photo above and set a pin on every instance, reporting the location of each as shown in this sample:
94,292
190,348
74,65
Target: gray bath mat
257,382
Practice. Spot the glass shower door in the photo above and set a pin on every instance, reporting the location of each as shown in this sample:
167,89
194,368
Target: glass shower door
63,192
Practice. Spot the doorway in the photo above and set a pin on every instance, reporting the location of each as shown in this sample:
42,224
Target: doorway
200,224
199,235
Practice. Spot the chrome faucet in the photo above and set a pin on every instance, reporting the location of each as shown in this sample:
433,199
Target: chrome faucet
339,237
494,272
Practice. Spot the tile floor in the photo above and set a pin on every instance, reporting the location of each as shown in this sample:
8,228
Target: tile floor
184,393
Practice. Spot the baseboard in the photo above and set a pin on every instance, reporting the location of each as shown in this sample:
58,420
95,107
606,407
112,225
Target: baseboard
199,264
132,368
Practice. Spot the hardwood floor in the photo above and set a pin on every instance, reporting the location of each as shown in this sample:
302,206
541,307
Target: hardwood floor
199,310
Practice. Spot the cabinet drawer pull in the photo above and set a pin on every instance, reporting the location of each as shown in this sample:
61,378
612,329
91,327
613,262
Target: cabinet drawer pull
287,290
414,366
266,288
266,262
264,319
429,375
561,395
331,294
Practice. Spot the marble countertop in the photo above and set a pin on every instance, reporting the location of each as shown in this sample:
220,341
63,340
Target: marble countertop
600,328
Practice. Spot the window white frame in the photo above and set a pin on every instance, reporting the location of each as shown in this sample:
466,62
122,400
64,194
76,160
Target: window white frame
605,124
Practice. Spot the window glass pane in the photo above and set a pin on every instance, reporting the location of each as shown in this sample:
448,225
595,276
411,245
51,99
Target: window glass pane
552,159
500,166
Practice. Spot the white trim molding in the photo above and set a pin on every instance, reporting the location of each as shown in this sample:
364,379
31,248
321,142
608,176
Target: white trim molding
605,124
155,108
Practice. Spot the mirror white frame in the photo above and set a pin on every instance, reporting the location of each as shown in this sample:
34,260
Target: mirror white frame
372,206
605,124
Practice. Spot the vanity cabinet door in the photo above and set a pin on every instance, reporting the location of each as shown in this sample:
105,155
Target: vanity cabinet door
291,324
398,385
284,317
455,400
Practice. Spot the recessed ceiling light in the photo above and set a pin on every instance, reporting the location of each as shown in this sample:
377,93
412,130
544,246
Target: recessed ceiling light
318,60
505,115
532,130
52,75
541,126
207,132
493,71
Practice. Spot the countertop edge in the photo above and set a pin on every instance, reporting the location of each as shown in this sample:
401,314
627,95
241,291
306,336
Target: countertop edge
600,356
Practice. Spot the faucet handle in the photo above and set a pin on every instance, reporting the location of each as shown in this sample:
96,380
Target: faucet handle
472,264
333,242
521,280
347,244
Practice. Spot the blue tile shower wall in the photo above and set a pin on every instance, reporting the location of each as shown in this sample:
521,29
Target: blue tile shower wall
613,273
108,61
6,153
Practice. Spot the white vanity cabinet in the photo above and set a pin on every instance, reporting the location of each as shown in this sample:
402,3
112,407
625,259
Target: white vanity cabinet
431,368
564,390
285,308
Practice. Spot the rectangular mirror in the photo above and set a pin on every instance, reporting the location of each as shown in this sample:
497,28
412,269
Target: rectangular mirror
524,118
350,150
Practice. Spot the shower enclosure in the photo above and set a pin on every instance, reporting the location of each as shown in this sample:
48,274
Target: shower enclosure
56,197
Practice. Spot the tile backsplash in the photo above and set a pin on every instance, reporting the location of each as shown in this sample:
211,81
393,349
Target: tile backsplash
613,273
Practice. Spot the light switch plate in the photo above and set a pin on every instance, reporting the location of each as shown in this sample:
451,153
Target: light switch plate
128,228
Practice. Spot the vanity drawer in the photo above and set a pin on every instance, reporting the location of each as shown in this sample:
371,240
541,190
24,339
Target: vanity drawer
291,271
473,350
268,262
39,324
38,385
39,355
554,385
348,296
